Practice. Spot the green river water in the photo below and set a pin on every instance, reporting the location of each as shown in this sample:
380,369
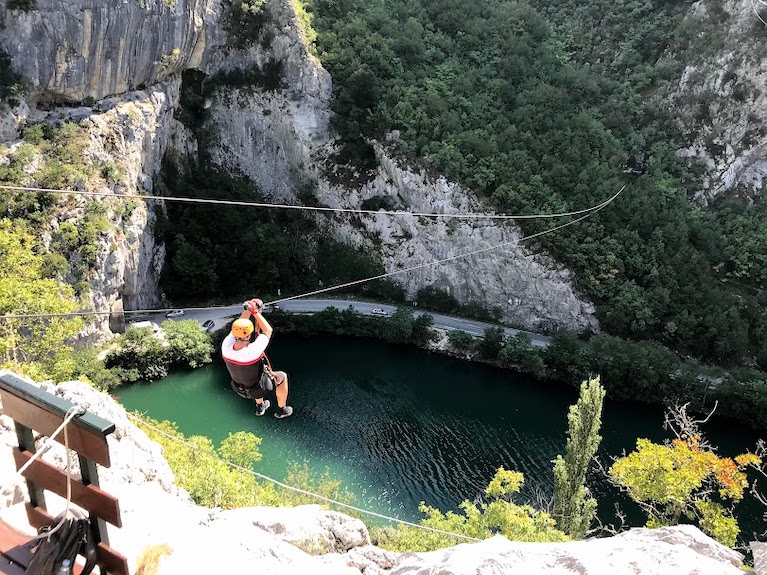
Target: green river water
399,425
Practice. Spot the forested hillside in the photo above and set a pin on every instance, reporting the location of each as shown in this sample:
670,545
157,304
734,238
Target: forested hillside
536,107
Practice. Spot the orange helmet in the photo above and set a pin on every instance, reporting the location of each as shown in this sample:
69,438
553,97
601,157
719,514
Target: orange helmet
242,328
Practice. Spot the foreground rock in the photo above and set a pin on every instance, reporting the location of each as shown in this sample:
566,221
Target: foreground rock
311,540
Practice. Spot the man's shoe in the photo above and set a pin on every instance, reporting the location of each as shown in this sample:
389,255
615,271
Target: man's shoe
261,408
283,412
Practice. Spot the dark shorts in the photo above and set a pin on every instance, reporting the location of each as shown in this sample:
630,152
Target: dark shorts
258,391
254,392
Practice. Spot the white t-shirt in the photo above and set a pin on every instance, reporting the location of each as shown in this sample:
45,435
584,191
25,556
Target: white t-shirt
248,355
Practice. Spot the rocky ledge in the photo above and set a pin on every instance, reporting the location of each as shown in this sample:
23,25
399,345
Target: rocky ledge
309,539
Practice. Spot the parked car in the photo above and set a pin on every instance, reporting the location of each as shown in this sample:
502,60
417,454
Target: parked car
208,325
175,313
379,311
272,307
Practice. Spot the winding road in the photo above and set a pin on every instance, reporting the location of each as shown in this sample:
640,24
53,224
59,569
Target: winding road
222,315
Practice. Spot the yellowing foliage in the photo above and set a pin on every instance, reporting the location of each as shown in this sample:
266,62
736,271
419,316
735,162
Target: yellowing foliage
496,516
683,478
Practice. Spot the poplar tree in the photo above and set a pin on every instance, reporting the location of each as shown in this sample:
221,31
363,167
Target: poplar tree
574,510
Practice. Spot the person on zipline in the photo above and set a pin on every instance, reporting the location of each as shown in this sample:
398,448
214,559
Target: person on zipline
245,360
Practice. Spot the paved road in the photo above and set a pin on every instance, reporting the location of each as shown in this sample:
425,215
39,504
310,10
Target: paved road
221,316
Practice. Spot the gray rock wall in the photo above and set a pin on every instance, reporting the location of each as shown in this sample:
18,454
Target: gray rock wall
720,98
132,133
67,50
280,138
282,144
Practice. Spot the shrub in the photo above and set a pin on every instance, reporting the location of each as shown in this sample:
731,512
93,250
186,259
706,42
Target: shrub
496,514
198,469
460,340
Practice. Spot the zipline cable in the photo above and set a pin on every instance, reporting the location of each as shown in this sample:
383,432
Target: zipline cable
296,489
243,203
756,11
340,286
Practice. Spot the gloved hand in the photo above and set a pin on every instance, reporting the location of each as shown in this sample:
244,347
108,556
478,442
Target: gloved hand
254,306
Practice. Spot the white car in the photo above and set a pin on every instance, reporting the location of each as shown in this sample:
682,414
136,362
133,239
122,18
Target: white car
175,313
379,311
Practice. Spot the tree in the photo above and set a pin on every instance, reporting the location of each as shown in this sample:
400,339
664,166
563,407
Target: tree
515,348
497,514
685,478
188,344
32,345
421,331
399,327
138,354
491,343
202,471
574,510
566,358
460,340
194,271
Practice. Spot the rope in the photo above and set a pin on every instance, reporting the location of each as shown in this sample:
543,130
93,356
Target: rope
756,11
340,286
72,412
148,197
296,489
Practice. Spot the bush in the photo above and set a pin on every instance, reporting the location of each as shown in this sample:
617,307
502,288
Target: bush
496,515
138,355
188,344
198,469
460,340
492,343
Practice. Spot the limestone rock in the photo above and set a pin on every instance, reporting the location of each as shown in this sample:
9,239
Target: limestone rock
637,553
279,137
135,458
307,526
719,98
68,51
11,121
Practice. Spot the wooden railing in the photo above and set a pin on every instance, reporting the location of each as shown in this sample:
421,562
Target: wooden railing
35,410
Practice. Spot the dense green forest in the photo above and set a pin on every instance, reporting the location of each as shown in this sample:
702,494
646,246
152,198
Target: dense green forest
536,107
216,253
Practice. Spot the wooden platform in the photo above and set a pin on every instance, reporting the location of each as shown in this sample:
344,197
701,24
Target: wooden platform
34,410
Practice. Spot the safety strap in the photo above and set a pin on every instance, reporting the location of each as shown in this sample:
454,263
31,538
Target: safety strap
268,364
265,360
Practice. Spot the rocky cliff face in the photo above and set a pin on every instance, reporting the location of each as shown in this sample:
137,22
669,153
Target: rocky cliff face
68,51
279,136
136,130
309,539
720,97
129,133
